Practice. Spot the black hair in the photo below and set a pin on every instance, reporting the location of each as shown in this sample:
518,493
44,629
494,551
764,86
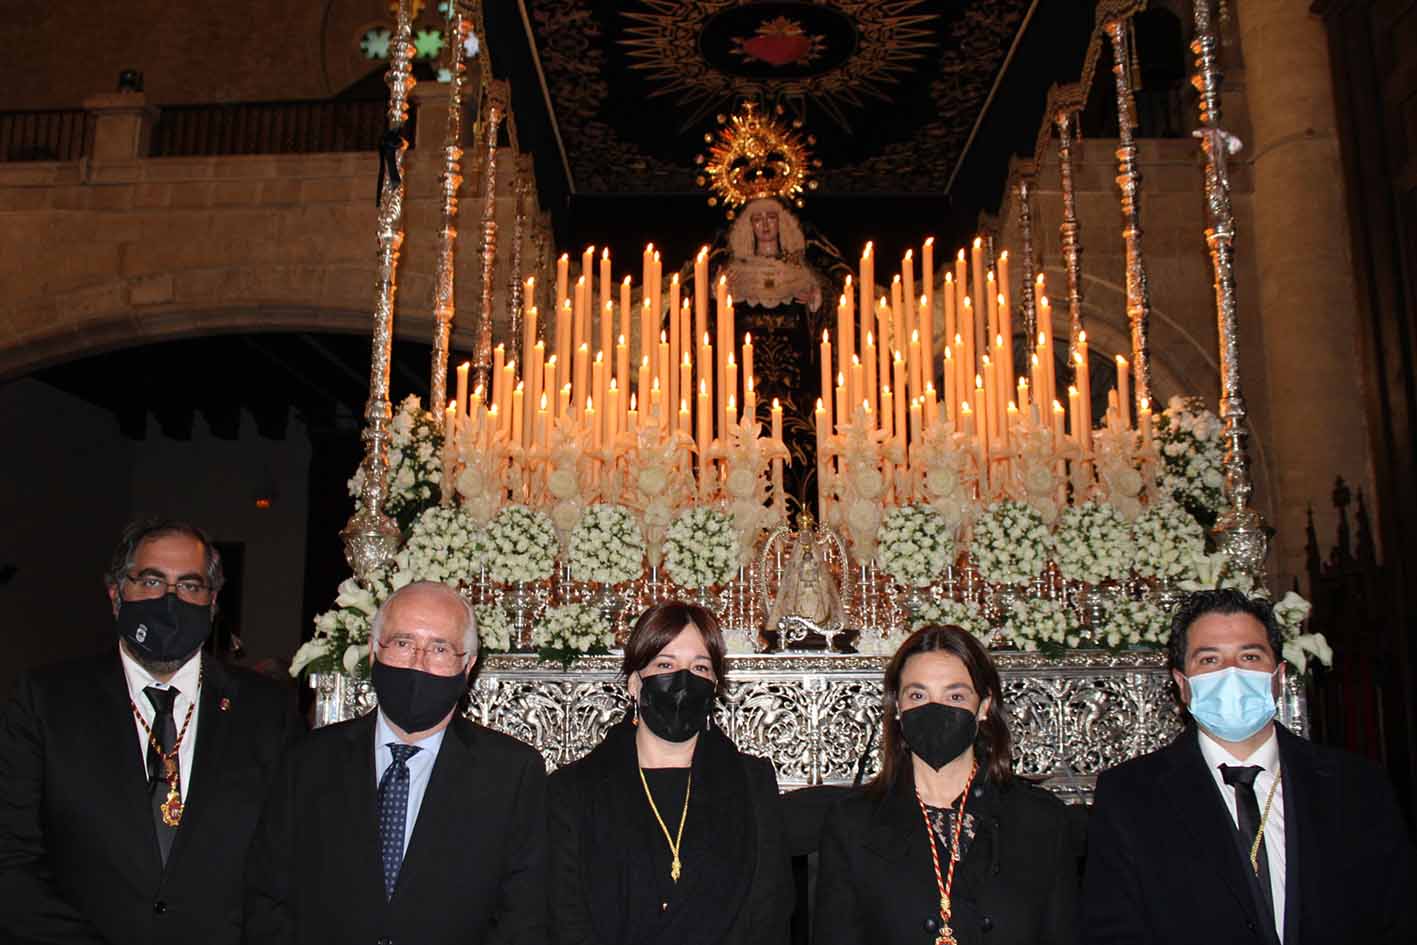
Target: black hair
1198,604
146,529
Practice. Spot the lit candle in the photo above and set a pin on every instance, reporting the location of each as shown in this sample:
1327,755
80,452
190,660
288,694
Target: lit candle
927,300
917,369
1075,416
581,378
1058,417
462,387
778,498
656,287
672,313
686,384
961,283
605,284
612,412
1084,377
706,372
868,291
845,326
968,363
517,407
499,377
1002,376
883,340
927,341
981,394
625,307
887,411
590,422
563,341
842,399
896,338
1045,336
932,405
750,398
951,326
489,423
598,383
581,334
622,371
868,352
644,379
907,289
563,270
705,432
730,389
607,339
823,434
1144,421
747,354
730,414
951,387
647,334
450,427
662,362
976,266
991,298
701,292
901,403
916,419
563,402
989,421
1124,393
826,373
657,407
541,424
632,417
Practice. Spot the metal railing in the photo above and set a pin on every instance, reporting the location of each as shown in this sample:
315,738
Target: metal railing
300,127
50,135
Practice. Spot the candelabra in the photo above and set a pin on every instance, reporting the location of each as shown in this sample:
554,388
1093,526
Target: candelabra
498,96
1023,188
1239,531
371,538
445,303
1065,102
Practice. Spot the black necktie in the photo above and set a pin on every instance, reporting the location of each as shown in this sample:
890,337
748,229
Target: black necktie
393,811
1247,818
164,729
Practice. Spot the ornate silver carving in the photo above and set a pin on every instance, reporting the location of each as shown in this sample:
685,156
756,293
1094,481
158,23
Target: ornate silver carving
444,301
1064,102
1027,302
814,716
498,96
371,538
1118,27
1239,530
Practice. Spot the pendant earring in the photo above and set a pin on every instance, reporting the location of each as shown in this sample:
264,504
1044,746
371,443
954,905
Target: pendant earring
708,726
635,712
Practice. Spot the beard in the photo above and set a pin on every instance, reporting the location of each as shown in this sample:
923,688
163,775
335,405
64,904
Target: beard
159,669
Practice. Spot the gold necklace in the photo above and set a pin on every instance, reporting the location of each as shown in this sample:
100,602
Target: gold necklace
945,884
673,842
1264,819
171,805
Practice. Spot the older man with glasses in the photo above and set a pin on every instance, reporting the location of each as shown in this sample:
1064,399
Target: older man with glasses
411,823
131,782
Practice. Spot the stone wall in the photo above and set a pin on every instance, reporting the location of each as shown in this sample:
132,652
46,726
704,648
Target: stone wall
119,249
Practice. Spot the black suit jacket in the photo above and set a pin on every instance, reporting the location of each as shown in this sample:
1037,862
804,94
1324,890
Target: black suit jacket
474,870
1017,882
607,848
79,860
1163,865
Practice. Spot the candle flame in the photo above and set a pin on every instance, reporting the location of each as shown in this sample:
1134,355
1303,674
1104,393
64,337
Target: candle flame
1003,257
1077,357
686,362
703,252
1012,408
580,281
968,303
959,339
867,251
1082,337
949,278
543,401
960,257
732,401
826,334
566,304
979,380
521,386
949,355
885,390
747,339
600,357
999,341
870,340
656,255
683,405
614,383
895,279
731,362
848,281
820,407
930,387
706,340
654,387
1072,391
565,257
1043,302
964,407
1035,360
585,346
930,241
841,377
910,254
978,242
1121,361
723,280
626,282
663,338
644,361
778,406
1057,407
703,388
747,385
1003,302
915,335
985,359
632,402
590,407
989,277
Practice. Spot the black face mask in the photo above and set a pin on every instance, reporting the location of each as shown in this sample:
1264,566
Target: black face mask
937,733
164,629
413,700
676,706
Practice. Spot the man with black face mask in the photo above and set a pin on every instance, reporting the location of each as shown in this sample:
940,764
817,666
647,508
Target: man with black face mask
130,783
412,823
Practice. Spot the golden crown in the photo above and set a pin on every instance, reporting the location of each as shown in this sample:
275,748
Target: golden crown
755,156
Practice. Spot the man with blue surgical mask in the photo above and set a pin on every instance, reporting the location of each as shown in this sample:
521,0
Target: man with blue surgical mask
1270,838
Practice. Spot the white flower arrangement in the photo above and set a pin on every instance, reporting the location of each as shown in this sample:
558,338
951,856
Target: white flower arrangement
914,544
1135,623
1188,438
1092,543
1290,612
494,628
1040,624
444,545
950,612
415,462
607,546
341,638
571,630
701,548
1011,543
1168,540
521,545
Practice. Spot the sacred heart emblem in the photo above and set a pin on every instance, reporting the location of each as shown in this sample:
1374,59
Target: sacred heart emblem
779,42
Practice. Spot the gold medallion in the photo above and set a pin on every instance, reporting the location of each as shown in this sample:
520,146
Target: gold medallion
172,807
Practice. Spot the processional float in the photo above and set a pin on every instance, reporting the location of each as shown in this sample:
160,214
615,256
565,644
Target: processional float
612,452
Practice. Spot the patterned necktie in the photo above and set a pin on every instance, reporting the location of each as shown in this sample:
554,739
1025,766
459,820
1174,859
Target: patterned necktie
393,809
1247,820
164,729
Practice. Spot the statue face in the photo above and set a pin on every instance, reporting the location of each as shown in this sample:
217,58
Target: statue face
764,225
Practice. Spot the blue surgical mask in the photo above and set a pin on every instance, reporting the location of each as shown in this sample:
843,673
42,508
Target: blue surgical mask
1232,703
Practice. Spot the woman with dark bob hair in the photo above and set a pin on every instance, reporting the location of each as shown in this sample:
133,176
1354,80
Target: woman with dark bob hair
945,845
665,832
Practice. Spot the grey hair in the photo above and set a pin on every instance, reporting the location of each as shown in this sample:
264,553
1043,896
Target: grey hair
443,590
147,529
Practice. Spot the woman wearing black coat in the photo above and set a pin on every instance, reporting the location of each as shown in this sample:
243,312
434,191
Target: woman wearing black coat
666,834
1004,872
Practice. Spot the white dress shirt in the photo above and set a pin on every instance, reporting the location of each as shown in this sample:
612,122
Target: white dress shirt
420,768
185,680
1267,757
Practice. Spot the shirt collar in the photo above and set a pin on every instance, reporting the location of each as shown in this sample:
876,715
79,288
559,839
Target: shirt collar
1266,756
184,680
383,734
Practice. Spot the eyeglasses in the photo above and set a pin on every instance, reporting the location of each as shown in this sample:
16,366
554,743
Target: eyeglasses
403,652
192,590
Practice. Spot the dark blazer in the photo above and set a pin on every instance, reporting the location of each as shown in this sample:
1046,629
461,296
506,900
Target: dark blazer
1017,882
606,849
79,859
474,870
1163,865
